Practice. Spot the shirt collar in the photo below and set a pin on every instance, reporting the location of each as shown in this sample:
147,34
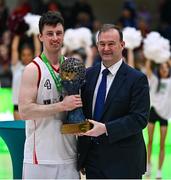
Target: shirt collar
114,68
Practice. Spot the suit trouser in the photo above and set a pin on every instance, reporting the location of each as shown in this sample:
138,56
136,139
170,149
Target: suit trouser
94,171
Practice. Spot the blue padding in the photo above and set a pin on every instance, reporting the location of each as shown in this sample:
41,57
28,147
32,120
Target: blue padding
17,124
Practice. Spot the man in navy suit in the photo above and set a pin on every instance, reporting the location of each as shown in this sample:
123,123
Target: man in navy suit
115,147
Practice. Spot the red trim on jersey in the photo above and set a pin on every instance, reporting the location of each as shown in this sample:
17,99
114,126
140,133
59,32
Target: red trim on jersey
39,72
35,161
23,172
55,69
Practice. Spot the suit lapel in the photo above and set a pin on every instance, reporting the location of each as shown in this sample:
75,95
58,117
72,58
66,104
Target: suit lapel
116,84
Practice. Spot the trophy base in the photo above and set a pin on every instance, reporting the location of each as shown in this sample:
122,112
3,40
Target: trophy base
76,128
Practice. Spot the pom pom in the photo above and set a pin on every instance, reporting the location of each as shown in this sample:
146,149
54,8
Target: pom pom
16,23
77,38
33,21
84,36
156,48
132,37
71,42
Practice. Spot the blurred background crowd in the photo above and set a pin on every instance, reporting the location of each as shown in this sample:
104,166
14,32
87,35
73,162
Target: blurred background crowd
145,51
77,13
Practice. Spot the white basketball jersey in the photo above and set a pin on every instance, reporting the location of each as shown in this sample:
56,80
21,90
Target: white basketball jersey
44,142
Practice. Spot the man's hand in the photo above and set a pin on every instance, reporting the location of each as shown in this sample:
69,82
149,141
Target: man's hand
71,102
98,129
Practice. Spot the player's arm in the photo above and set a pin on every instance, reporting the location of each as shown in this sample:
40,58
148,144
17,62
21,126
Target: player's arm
28,107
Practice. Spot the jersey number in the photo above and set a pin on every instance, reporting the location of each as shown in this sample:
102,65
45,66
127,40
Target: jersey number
47,84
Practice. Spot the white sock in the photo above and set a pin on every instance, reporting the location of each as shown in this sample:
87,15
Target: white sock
159,174
148,172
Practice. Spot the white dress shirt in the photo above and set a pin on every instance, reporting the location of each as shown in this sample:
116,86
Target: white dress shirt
113,70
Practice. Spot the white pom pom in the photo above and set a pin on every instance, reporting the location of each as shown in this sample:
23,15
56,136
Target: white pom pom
153,35
71,41
132,37
85,36
163,57
77,38
156,48
33,21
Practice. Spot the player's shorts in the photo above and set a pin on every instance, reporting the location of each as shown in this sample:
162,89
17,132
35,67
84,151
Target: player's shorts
154,117
50,171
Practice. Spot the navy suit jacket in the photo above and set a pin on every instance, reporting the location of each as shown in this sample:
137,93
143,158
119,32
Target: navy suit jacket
122,154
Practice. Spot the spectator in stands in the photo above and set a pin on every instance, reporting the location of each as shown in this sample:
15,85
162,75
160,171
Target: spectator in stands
82,14
5,72
3,17
128,15
165,20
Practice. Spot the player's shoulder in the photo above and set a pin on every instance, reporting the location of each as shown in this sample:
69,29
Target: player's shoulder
31,69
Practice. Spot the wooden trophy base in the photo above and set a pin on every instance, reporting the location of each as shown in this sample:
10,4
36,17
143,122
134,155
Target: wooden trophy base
76,128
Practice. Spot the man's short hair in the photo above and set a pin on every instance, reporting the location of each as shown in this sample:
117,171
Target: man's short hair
107,27
50,18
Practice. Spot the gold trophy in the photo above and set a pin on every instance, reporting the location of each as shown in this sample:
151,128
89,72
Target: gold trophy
72,73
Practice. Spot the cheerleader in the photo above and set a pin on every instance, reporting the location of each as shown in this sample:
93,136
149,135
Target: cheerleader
19,60
160,90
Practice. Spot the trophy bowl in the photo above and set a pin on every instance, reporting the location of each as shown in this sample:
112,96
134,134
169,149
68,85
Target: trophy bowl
72,73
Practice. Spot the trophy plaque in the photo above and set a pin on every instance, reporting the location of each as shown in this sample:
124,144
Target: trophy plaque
72,73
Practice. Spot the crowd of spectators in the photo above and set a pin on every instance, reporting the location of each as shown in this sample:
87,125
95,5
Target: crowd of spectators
78,14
